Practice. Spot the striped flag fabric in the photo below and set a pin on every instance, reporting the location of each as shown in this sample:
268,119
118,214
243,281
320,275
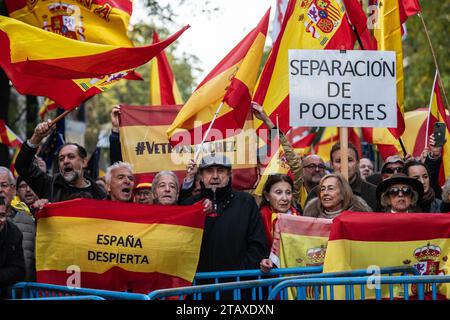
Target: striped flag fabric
229,85
36,63
96,21
145,144
280,11
8,137
163,87
118,246
437,114
360,240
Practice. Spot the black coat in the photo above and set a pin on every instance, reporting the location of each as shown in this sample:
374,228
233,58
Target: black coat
54,188
12,262
233,236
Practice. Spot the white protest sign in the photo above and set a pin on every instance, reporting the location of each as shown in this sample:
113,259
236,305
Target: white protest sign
352,88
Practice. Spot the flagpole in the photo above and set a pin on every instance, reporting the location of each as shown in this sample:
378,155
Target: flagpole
207,131
343,134
429,109
434,57
62,115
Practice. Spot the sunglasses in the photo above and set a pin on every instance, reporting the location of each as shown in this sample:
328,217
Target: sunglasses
315,166
393,170
407,191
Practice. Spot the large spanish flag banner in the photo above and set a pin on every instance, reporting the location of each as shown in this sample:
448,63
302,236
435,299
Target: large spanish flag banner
163,87
38,62
359,240
145,144
118,246
97,21
228,86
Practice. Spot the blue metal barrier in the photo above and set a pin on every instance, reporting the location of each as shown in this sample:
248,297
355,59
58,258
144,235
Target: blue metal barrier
325,288
32,290
256,286
90,297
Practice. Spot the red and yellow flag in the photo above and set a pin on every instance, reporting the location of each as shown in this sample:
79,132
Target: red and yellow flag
438,114
38,62
96,21
118,246
359,240
163,87
231,82
145,144
8,137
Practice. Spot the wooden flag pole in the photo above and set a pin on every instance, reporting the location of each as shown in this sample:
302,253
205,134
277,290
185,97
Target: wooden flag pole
62,115
343,135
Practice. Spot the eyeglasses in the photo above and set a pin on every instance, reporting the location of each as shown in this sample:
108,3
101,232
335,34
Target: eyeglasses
313,166
407,191
393,170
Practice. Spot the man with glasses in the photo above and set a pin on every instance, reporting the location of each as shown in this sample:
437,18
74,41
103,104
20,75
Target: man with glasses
313,169
393,164
12,264
23,221
400,194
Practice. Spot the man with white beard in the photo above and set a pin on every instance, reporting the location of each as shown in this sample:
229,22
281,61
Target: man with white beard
69,183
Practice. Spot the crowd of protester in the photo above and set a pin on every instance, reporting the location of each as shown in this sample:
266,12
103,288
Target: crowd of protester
239,228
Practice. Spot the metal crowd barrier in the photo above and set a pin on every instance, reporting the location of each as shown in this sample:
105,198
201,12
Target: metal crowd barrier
33,290
325,288
89,297
257,289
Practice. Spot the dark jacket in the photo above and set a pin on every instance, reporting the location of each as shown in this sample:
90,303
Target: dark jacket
233,236
12,264
434,166
445,207
361,188
115,150
26,224
54,188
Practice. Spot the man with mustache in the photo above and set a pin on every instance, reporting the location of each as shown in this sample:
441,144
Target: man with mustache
69,183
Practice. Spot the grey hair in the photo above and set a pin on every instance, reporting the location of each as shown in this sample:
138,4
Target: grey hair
385,202
8,172
161,174
116,165
446,190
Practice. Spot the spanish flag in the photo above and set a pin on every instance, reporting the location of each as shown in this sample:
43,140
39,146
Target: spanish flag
118,246
145,144
96,21
361,240
8,137
303,28
163,87
437,114
38,62
231,82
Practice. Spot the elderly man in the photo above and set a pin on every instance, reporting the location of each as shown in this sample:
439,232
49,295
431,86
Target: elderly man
22,220
393,164
313,169
165,187
69,183
359,187
12,264
120,182
26,194
233,236
143,193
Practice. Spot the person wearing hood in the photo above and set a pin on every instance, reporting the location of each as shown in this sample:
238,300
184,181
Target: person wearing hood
417,170
233,236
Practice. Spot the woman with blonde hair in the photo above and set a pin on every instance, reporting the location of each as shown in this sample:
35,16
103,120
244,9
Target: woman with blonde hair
335,196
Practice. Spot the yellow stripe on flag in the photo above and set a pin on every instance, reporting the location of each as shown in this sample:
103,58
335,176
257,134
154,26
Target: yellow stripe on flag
61,241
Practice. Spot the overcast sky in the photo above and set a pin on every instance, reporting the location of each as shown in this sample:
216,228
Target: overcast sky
211,37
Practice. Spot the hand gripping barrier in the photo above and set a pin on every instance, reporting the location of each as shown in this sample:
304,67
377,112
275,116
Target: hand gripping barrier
33,290
260,288
328,286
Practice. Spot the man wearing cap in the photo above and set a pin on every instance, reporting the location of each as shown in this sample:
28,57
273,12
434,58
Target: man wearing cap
143,193
233,236
393,164
400,194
